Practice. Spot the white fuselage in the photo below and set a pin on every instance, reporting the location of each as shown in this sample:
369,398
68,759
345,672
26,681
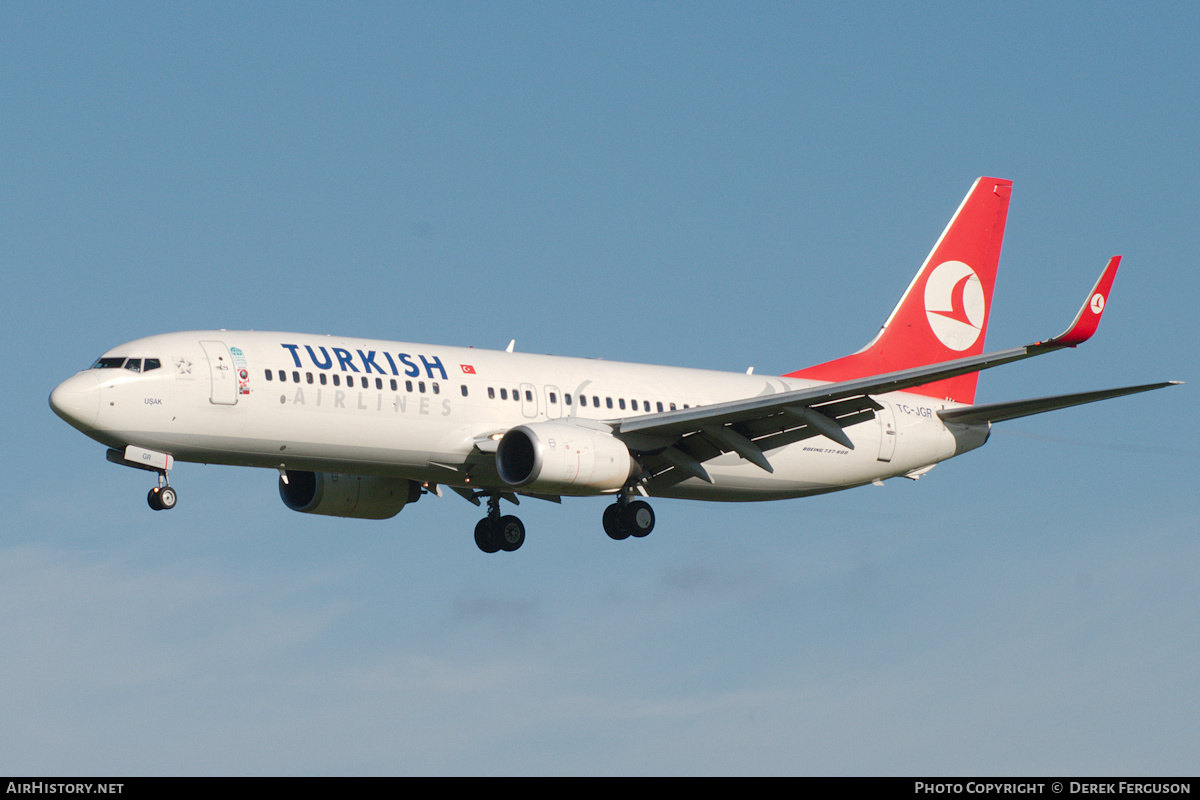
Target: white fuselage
331,404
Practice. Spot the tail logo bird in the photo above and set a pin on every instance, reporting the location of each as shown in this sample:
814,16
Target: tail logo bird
954,304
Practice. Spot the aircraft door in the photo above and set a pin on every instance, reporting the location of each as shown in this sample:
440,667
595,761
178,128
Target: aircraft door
887,432
221,373
529,404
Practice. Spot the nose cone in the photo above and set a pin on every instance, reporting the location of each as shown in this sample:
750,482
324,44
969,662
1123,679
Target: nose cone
77,400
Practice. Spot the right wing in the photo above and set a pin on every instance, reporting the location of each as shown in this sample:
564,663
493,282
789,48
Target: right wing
998,412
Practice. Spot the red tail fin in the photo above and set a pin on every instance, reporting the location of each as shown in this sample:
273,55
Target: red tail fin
945,310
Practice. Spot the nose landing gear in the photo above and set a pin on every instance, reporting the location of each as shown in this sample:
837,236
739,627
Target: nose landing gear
162,497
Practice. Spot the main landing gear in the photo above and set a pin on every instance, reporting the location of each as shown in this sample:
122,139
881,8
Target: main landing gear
626,518
495,532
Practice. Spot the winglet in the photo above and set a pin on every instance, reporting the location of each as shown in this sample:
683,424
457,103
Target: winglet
1088,318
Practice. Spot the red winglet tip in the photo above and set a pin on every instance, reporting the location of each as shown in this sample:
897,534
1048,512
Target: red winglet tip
1088,319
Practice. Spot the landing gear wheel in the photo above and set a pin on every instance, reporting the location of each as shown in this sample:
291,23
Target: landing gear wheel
162,498
637,518
510,533
167,498
495,532
486,535
612,523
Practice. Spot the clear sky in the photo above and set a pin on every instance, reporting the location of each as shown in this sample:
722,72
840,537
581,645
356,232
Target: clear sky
707,185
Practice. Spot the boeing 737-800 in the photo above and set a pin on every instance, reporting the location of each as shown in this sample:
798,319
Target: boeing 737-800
360,428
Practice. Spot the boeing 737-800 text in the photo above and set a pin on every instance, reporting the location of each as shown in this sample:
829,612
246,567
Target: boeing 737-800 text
360,428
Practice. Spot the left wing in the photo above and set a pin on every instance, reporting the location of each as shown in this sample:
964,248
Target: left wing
680,441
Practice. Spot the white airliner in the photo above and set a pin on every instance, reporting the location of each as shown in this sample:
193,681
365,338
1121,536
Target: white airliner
360,428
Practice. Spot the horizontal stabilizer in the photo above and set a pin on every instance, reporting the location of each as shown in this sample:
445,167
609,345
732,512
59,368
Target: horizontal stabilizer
998,412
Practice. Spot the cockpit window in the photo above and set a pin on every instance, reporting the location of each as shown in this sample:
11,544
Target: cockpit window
131,364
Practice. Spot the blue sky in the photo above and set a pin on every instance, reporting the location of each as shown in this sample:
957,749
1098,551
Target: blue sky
708,185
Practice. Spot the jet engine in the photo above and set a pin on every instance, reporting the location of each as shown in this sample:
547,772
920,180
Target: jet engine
358,496
560,458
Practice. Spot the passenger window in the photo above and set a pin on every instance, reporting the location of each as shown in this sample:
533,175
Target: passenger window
491,393
516,395
582,399
408,386
421,387
282,376
529,395
620,402
658,405
337,380
393,384
567,399
322,378
553,397
672,406
379,383
437,389
464,390
608,402
295,377
595,401
269,374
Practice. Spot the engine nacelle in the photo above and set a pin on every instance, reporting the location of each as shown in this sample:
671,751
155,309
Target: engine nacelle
560,458
358,496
